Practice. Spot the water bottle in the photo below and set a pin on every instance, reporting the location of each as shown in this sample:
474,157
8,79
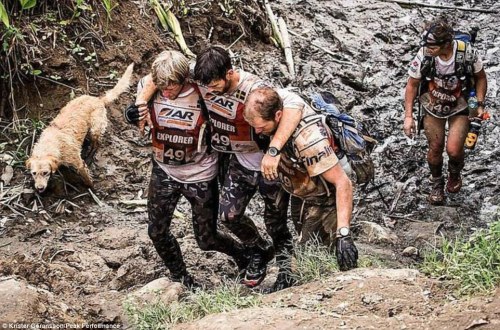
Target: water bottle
344,162
474,128
472,103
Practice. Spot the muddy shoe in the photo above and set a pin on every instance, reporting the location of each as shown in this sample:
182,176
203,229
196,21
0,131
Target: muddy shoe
436,197
454,183
257,268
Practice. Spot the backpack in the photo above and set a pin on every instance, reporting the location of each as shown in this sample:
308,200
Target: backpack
350,135
464,62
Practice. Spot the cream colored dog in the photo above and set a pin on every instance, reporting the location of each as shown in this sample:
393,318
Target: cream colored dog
61,142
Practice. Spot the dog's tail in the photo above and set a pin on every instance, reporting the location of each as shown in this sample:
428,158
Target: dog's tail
120,87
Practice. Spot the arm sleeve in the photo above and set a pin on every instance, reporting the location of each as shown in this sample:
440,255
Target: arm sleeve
315,148
478,64
415,65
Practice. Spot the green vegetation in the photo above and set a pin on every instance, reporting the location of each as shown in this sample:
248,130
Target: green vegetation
19,137
472,265
229,296
109,6
313,260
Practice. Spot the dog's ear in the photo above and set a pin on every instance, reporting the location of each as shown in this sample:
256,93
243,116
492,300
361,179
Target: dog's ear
28,164
54,164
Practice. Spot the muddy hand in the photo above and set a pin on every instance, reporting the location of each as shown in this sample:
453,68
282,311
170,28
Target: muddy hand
409,127
144,117
146,121
269,166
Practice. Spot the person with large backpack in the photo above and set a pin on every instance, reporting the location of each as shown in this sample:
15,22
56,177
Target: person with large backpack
309,169
444,74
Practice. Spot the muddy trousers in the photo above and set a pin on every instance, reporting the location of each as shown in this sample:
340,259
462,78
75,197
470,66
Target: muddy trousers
240,184
164,193
315,219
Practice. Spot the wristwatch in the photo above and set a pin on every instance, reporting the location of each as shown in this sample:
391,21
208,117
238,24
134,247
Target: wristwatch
273,151
343,232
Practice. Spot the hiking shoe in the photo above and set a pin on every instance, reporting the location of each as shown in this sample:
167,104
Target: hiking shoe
436,197
284,280
454,183
257,268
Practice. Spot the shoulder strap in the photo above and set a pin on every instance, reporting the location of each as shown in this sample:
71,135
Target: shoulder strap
203,105
208,125
305,122
460,58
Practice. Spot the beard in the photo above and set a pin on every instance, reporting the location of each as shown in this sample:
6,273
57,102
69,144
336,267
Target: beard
225,89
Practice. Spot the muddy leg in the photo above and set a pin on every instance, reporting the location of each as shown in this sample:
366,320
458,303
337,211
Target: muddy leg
162,199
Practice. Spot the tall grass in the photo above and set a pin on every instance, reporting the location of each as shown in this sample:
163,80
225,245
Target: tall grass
472,265
229,296
313,261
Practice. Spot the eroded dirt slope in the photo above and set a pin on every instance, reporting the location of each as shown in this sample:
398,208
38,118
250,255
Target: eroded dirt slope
82,255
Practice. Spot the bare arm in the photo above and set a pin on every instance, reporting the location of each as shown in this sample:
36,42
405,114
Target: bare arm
411,92
481,87
141,101
147,91
343,187
289,121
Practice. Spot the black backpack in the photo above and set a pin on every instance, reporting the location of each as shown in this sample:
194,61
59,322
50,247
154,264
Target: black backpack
464,62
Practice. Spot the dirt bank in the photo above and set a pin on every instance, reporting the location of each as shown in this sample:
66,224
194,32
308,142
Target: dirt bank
80,253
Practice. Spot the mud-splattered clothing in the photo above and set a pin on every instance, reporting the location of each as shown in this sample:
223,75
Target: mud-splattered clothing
183,167
164,194
232,134
240,185
179,137
444,97
308,154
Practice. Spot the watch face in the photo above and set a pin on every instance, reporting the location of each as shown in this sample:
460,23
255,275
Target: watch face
272,151
344,231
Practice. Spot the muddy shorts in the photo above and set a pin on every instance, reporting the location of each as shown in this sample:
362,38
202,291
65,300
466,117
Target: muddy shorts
315,218
440,110
240,184
164,194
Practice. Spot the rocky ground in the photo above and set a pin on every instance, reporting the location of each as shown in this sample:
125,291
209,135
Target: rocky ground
73,255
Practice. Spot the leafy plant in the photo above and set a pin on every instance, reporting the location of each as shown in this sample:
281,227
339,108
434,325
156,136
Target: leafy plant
78,8
473,265
19,137
27,4
91,57
109,6
10,37
4,16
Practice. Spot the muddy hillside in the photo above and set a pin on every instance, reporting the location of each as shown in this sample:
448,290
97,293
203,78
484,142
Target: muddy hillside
73,255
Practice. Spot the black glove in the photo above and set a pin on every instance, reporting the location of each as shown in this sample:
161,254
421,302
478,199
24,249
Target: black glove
347,253
131,114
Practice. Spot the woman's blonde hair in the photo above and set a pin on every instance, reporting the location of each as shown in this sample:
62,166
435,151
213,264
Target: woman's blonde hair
169,67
